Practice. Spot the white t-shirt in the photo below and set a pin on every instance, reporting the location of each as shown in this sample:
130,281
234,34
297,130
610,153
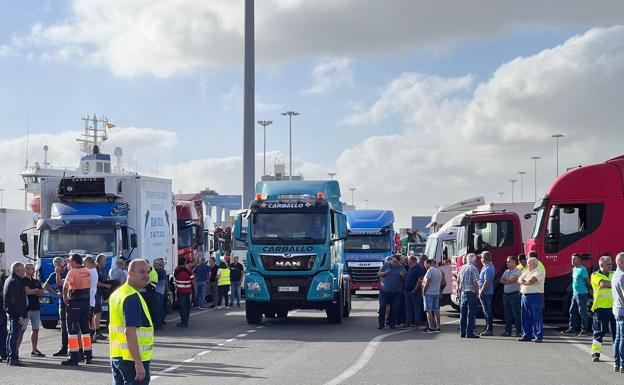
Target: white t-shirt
93,289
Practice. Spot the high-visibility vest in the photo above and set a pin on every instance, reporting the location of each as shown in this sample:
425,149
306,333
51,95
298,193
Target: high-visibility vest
153,276
117,326
224,279
603,297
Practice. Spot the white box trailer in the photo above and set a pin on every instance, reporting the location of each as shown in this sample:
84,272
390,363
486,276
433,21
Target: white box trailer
12,223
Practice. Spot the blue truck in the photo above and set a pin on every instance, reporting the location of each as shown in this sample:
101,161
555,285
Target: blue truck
294,232
370,240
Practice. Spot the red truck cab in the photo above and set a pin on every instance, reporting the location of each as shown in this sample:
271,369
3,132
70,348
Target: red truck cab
581,213
190,230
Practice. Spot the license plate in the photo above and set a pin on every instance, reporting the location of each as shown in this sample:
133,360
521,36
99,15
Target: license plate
287,289
366,288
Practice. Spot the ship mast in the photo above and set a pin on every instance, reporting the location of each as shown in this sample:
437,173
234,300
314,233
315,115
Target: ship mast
95,133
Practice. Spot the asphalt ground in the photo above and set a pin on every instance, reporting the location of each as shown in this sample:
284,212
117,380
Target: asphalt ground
220,347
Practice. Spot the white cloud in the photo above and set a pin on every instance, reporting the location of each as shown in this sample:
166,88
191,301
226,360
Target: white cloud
331,74
137,37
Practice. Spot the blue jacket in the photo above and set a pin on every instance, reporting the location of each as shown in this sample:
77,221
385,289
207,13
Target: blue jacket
15,300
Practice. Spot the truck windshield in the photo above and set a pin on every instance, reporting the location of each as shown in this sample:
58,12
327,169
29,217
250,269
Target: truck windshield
432,245
186,235
370,243
289,228
93,240
538,222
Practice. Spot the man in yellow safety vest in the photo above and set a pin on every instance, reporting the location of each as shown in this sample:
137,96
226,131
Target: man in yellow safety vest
604,320
131,331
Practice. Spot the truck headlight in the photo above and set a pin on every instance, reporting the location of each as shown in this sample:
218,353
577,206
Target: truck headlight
253,286
325,285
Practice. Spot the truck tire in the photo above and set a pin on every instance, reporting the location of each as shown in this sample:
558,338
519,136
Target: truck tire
253,313
48,324
334,310
282,314
352,291
346,312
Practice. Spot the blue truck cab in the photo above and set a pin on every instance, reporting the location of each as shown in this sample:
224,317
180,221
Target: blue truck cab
294,232
370,240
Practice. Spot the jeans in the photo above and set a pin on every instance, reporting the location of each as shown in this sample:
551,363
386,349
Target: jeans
236,292
124,373
3,334
11,342
486,305
63,318
468,313
223,295
532,325
160,309
385,299
579,307
513,309
413,307
184,307
201,294
604,322
618,343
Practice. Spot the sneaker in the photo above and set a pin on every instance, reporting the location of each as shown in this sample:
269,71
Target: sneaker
219,307
538,341
69,363
523,339
438,330
15,363
227,307
427,331
595,357
37,353
60,353
486,333
616,368
569,331
88,361
211,307
622,369
472,336
582,333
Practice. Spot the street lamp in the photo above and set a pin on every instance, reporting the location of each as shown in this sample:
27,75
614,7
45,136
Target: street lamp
501,193
366,200
352,195
1,198
522,174
512,181
264,124
290,114
557,137
536,158
331,175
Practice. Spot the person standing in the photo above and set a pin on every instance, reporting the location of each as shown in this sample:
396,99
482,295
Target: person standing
223,280
89,263
468,288
76,292
412,291
511,297
118,272
185,287
486,292
237,272
3,320
617,291
201,272
602,307
16,306
161,293
100,261
54,286
213,287
34,291
578,321
392,275
149,294
131,330
532,289
433,284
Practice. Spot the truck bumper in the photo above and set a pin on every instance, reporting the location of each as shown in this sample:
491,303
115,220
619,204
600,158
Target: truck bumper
355,286
291,289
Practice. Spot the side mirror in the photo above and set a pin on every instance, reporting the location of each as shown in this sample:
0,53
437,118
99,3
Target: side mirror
24,237
133,241
341,222
477,241
25,248
240,229
1,247
553,223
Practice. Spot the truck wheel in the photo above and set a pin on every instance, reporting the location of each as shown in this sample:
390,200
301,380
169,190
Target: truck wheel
346,312
253,313
282,314
352,291
334,310
47,324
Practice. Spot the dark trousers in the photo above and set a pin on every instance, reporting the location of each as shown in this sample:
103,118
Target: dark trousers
184,307
124,373
78,322
63,318
513,309
604,322
159,306
3,334
149,295
213,290
532,319
165,306
223,294
11,342
413,307
468,313
385,299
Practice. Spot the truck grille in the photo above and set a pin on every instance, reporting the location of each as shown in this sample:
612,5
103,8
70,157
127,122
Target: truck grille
277,285
366,276
289,262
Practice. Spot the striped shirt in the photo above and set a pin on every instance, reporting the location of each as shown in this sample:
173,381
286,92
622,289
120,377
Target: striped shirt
468,277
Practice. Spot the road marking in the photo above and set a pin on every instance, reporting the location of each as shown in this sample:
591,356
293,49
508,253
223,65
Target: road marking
219,344
366,356
259,327
191,315
230,340
189,359
171,368
251,331
203,353
241,335
584,346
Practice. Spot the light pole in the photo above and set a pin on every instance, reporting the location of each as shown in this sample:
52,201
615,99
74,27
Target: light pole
557,137
366,200
1,198
500,194
522,174
536,158
513,182
331,175
290,114
352,195
249,145
264,124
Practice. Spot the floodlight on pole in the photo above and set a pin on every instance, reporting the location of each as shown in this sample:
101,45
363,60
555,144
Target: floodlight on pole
290,114
500,194
557,137
513,182
1,197
535,158
264,124
331,175
352,189
366,200
522,174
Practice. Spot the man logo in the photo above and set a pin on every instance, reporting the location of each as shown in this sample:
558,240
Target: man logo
288,264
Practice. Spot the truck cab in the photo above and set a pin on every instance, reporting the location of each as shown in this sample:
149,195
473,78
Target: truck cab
370,240
294,232
441,247
190,230
580,213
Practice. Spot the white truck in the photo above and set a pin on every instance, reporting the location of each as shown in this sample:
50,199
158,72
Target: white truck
446,212
13,223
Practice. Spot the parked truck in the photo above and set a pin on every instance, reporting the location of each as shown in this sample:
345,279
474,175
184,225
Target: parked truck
13,223
581,213
294,231
370,240
447,212
118,215
190,223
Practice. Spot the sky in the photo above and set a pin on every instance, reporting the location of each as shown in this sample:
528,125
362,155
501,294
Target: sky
415,103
